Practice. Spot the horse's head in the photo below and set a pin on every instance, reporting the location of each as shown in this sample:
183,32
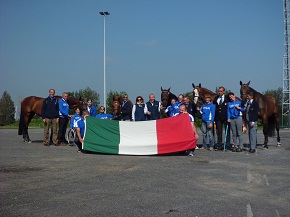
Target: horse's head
76,103
197,93
116,107
165,97
82,104
244,89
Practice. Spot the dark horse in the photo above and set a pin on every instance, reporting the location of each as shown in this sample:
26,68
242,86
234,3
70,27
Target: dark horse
117,106
32,105
268,112
166,97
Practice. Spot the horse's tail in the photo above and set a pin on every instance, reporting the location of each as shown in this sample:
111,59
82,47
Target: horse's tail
271,126
21,124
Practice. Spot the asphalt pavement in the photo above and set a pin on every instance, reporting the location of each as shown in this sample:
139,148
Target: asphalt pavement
58,181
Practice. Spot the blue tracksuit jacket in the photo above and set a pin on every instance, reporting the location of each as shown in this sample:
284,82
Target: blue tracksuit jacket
233,112
208,112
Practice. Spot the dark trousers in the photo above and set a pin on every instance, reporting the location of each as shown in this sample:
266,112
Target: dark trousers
62,129
219,128
78,143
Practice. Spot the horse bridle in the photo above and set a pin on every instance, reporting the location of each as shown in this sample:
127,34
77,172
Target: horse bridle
164,98
116,109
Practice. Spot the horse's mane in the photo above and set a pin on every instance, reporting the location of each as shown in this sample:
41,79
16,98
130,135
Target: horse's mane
208,91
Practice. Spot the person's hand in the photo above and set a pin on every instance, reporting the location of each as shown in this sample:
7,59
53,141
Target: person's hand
81,140
210,126
44,121
229,120
196,135
148,113
57,120
252,124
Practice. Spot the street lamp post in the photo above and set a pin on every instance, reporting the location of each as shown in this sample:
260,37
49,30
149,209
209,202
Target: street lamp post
105,13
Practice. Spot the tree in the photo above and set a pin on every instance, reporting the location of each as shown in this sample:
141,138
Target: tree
7,109
110,97
87,93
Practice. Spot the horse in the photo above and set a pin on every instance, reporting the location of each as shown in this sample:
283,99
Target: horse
166,97
32,105
199,93
268,112
117,107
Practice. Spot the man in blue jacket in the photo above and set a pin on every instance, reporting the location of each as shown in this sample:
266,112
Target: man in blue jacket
208,112
63,118
49,114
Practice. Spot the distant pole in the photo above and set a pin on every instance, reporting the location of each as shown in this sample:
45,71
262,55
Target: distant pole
105,13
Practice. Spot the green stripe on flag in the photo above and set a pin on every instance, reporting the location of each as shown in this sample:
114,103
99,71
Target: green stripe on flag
102,136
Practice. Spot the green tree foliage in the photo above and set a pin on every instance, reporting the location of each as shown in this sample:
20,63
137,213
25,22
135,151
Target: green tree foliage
110,97
7,109
87,93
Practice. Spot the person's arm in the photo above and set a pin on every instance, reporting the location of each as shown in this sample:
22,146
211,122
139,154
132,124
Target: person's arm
43,110
194,130
133,112
94,111
79,135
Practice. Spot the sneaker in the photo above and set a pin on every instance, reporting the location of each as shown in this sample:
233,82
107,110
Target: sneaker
196,148
252,151
239,149
210,149
191,154
202,148
234,149
45,144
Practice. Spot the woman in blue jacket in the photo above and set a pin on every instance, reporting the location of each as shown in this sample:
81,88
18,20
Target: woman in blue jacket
235,110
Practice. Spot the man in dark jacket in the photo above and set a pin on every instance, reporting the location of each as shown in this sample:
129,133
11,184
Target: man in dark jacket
152,108
252,109
126,108
221,104
49,114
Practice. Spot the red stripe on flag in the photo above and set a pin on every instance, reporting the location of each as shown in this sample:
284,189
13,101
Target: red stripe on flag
175,134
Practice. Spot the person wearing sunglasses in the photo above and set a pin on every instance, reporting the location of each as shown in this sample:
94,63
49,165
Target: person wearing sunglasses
138,111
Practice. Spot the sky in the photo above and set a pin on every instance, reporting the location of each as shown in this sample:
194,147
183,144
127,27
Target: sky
149,44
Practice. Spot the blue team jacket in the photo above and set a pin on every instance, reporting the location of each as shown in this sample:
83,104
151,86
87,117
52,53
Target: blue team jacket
208,112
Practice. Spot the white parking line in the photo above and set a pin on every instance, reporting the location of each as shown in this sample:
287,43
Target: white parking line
249,211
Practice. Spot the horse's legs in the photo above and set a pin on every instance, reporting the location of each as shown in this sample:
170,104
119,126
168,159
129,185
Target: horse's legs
27,120
265,132
277,129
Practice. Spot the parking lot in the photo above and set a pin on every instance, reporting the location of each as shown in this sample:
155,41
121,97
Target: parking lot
57,181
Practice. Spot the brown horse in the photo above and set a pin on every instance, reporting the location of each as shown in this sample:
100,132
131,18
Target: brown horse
166,97
268,112
199,93
116,108
32,105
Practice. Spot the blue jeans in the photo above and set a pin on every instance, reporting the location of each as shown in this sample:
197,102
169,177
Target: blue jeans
207,132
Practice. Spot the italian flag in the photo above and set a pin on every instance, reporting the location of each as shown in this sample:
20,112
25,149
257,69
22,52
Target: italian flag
162,136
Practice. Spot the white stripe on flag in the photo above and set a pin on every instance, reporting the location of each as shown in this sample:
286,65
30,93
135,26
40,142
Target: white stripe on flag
138,138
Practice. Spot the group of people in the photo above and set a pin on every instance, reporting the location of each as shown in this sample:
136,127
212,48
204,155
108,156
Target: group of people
55,115
225,112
